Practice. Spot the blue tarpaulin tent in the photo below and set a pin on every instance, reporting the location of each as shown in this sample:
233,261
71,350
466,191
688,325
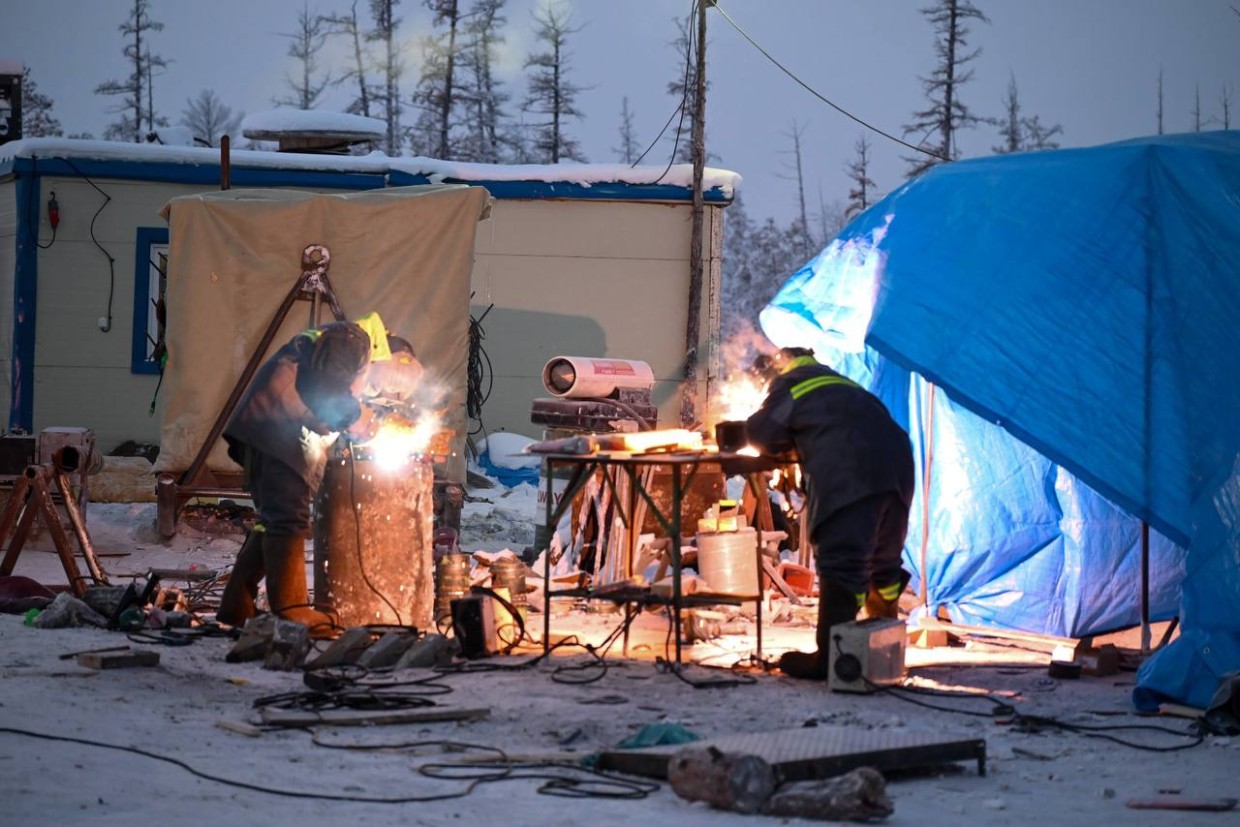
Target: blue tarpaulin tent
1080,312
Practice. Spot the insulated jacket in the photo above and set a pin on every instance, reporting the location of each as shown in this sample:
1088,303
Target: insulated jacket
848,444
304,392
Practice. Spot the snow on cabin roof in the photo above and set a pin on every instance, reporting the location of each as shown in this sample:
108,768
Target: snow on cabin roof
9,66
271,125
376,163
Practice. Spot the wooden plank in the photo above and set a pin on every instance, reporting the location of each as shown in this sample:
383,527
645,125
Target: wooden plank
118,660
1048,642
359,717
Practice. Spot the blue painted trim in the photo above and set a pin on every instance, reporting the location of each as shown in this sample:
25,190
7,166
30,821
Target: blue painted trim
138,363
209,175
204,174
532,190
25,300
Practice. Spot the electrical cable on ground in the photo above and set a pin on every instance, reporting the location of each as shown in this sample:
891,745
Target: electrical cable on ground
817,94
568,783
1022,722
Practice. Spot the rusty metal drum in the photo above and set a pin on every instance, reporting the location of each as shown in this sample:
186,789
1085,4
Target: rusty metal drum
373,551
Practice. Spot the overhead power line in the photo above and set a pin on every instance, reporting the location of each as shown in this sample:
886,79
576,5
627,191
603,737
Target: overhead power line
818,95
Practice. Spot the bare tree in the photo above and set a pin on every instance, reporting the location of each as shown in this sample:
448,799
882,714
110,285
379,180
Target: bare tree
1037,136
798,175
481,92
37,118
305,43
136,110
209,119
391,68
348,26
550,93
438,88
1197,107
947,114
1018,133
628,149
1011,133
1225,106
860,194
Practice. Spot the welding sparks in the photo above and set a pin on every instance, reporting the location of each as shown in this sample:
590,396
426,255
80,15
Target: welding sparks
399,441
739,397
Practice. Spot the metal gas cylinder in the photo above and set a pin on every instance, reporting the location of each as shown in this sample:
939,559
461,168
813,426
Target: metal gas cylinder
373,551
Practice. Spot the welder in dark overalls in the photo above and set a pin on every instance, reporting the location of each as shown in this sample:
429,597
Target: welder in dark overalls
309,391
857,469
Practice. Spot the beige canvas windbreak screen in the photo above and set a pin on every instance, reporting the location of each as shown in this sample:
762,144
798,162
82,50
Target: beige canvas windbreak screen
406,252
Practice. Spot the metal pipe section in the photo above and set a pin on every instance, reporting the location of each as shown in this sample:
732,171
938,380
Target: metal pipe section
373,547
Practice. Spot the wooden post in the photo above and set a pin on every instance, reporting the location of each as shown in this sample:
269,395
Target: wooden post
688,400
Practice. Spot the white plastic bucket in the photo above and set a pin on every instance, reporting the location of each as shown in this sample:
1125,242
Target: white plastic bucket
728,561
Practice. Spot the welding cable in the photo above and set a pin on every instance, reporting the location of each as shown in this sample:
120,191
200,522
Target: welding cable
478,371
1037,723
475,775
357,527
107,199
345,698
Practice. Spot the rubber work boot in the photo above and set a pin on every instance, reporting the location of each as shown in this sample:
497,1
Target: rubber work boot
237,604
285,558
836,605
884,601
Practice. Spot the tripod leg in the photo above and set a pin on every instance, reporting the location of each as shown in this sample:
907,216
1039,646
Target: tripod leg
14,508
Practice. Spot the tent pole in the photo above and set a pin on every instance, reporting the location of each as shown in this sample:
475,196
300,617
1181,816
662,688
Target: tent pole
1145,588
925,494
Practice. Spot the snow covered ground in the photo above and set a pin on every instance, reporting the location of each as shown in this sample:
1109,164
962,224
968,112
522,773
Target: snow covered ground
175,710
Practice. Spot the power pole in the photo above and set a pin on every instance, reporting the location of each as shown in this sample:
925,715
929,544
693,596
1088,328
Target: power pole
689,399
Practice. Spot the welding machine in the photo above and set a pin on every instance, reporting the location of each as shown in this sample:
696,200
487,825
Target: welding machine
473,625
866,655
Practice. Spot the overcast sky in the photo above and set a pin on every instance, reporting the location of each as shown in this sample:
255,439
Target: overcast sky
1090,65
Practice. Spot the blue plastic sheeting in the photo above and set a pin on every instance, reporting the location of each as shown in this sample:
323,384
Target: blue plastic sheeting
1087,302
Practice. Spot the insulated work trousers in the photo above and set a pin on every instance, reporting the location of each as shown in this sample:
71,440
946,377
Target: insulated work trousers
861,544
281,495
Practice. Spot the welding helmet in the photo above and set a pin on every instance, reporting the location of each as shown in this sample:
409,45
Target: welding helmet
328,370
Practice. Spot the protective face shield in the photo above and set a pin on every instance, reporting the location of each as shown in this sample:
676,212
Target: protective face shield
395,379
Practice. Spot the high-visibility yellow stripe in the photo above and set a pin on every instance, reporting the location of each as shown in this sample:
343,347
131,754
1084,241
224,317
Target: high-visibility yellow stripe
802,388
860,599
889,593
799,362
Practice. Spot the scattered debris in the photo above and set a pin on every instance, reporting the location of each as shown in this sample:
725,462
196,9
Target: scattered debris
118,660
239,727
1212,805
387,651
431,650
741,783
67,611
860,795
344,649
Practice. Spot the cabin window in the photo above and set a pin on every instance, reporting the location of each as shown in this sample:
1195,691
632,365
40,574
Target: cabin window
150,287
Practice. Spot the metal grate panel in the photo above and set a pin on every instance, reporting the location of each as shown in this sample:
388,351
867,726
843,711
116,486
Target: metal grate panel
817,752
